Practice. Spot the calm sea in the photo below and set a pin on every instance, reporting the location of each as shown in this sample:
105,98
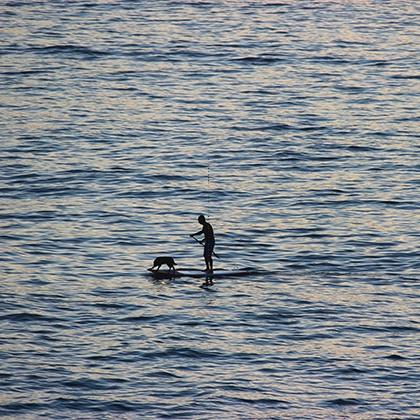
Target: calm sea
292,125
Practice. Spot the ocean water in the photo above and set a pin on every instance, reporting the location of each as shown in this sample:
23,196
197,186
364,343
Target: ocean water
293,125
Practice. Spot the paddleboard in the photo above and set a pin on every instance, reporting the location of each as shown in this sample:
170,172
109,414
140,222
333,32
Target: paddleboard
195,273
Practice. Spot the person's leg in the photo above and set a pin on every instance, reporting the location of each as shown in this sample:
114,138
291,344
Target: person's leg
207,255
210,254
207,260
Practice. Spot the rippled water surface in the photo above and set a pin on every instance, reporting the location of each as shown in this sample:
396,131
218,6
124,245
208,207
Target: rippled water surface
293,125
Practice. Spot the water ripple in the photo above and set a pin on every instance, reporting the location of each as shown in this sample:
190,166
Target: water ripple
292,126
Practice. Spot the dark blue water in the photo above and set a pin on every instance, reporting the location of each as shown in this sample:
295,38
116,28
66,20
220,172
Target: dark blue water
292,125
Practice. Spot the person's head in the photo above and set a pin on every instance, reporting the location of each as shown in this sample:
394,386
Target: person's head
201,219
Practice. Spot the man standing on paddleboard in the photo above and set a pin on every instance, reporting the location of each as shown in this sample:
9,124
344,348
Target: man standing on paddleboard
208,240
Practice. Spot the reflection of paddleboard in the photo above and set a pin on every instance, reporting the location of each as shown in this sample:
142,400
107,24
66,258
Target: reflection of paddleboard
195,273
207,287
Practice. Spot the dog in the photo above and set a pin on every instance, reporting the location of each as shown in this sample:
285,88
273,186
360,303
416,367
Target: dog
169,261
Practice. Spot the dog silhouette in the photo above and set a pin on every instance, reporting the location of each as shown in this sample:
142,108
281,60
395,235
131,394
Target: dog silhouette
159,261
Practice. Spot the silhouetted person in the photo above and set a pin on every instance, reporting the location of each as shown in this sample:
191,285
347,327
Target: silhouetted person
208,233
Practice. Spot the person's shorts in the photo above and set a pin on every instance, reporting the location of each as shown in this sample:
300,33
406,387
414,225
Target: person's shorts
208,249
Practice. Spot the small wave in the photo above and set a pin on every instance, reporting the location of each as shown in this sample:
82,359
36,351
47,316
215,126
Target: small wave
267,402
28,317
182,352
406,76
143,318
166,177
395,357
262,60
86,383
95,405
311,128
273,127
276,4
392,328
14,408
355,148
350,371
330,59
141,194
377,63
24,72
344,401
114,306
327,158
55,191
280,127
163,374
12,238
75,50
272,316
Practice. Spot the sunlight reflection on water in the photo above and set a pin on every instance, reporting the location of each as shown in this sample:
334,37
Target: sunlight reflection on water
292,125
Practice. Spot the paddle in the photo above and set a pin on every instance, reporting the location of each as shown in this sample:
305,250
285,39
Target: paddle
203,245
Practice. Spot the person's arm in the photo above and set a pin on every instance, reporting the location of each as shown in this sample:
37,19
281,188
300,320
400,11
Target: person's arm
198,233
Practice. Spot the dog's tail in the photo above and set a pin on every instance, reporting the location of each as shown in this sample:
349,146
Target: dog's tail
175,263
